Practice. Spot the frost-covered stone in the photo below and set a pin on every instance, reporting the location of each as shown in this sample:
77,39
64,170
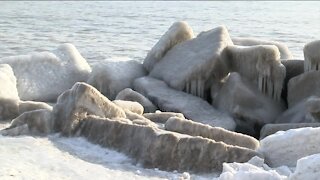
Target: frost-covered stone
269,129
156,148
9,99
130,95
307,111
190,65
253,170
43,76
308,168
171,100
130,105
248,106
77,103
311,53
113,76
286,147
185,126
303,86
25,106
37,122
162,117
260,65
284,50
293,69
177,33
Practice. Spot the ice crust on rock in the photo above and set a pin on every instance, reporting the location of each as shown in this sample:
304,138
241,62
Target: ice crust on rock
43,76
311,53
178,32
284,50
25,106
286,147
185,126
247,105
307,111
156,148
134,107
171,100
191,65
259,64
111,77
162,117
9,99
130,95
303,86
269,129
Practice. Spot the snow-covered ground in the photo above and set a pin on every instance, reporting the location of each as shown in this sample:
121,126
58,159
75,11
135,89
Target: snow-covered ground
56,157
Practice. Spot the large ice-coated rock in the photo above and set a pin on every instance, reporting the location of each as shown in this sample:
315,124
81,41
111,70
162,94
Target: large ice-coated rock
171,100
130,95
269,129
9,99
248,106
37,122
293,69
178,32
190,65
192,128
43,76
307,168
284,50
311,53
303,86
286,147
259,64
77,103
111,77
156,148
307,111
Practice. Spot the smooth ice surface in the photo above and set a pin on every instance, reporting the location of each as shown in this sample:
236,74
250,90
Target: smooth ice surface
286,147
308,168
8,83
43,76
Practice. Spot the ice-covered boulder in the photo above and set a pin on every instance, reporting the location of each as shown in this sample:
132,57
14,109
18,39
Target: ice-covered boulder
171,100
130,105
308,168
269,129
185,126
190,65
111,77
260,65
311,53
156,148
293,69
130,95
307,111
37,122
303,86
43,76
248,106
253,170
284,50
25,106
77,103
9,99
177,33
286,147
162,117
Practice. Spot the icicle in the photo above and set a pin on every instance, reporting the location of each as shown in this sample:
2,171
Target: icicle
188,87
194,87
